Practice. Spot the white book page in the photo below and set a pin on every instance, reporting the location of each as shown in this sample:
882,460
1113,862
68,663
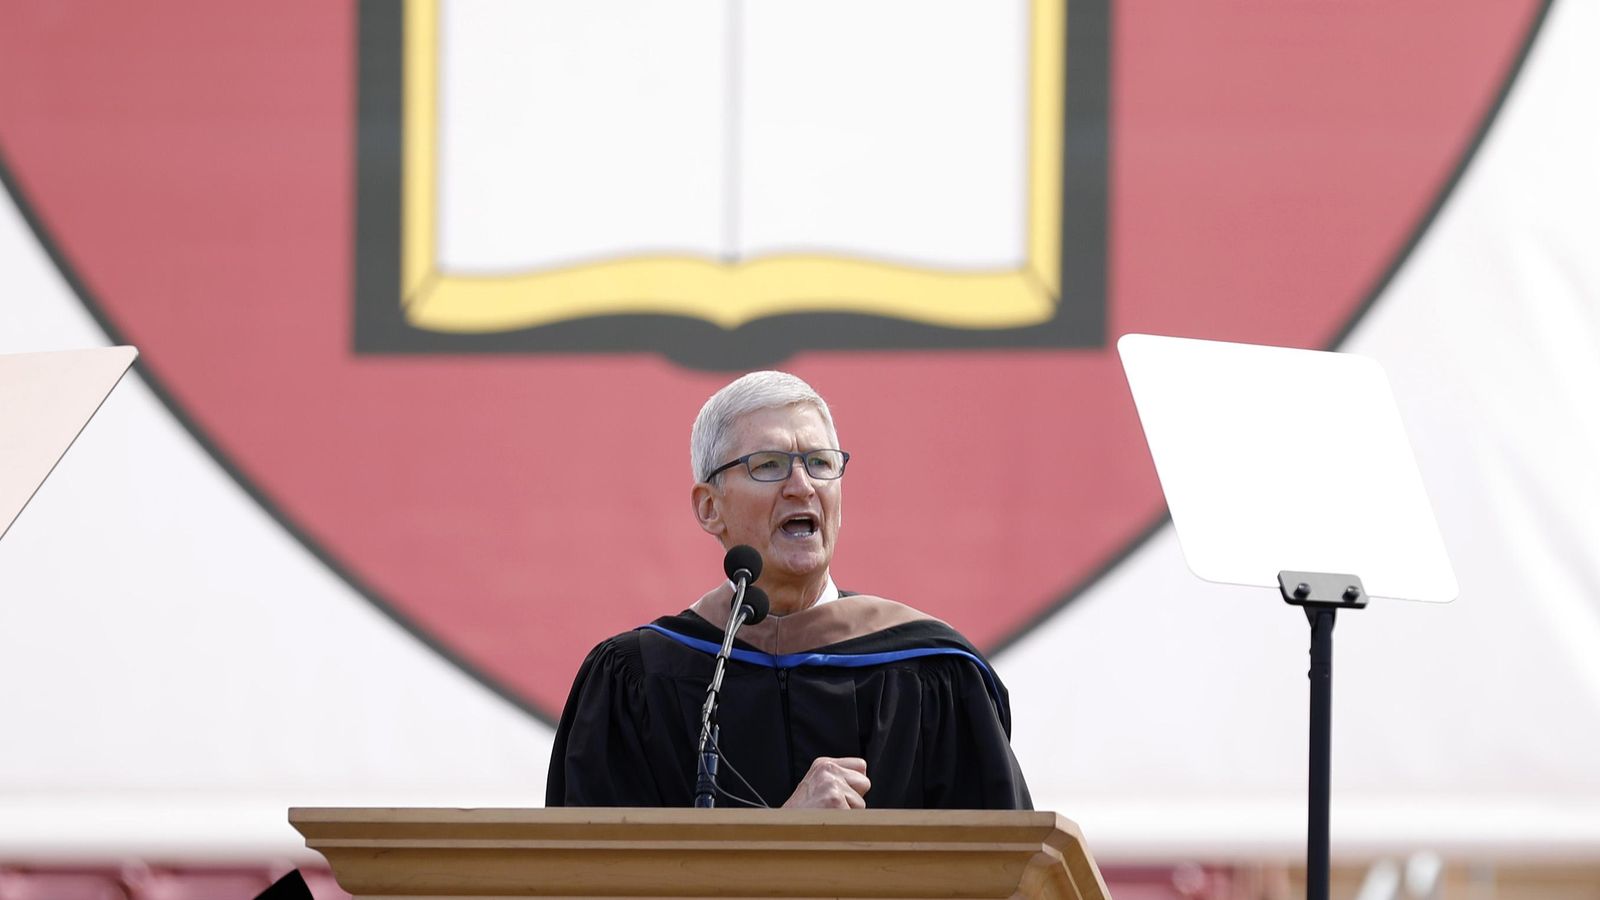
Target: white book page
579,132
894,131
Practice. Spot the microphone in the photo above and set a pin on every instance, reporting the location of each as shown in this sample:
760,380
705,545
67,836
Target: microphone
743,562
742,565
756,605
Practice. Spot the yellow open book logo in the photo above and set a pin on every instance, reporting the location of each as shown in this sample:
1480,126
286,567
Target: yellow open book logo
651,175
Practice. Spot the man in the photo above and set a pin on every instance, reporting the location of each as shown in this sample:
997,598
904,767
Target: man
835,700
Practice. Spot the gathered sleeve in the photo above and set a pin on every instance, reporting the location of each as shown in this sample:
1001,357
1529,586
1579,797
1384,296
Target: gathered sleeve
967,761
601,755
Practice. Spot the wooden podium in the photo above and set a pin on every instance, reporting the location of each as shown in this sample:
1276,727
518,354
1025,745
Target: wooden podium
748,853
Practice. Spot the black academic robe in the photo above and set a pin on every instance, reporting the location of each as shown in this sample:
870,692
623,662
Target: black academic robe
915,700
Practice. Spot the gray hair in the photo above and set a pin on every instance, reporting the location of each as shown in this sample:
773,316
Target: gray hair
713,428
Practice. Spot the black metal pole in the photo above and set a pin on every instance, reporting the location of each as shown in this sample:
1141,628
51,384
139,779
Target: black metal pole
705,779
707,749
1321,676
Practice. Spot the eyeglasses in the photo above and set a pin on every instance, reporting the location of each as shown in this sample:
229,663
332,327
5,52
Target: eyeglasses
775,465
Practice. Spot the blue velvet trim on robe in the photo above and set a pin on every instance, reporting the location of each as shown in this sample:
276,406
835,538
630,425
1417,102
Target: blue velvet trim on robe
842,660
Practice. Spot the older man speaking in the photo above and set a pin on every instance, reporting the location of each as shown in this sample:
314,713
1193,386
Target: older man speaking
834,700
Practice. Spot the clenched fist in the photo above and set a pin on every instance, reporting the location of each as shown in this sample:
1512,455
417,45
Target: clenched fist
832,784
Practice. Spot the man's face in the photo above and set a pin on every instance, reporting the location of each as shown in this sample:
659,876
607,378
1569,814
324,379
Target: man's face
793,523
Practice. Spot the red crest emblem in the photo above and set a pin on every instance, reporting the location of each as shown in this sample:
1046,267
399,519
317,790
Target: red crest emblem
205,178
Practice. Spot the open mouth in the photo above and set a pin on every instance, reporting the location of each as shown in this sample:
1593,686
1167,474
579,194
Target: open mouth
799,526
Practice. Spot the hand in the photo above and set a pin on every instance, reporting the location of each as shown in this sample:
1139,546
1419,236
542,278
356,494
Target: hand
832,784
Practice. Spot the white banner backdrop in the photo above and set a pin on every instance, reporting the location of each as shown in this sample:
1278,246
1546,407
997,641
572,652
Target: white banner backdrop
1170,716
176,670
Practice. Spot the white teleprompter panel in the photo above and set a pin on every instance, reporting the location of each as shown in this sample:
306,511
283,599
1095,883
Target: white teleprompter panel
45,401
1274,458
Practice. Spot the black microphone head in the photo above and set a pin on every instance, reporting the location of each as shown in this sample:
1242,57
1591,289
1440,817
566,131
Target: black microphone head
758,603
742,557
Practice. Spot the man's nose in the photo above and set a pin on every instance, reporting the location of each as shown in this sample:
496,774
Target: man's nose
799,481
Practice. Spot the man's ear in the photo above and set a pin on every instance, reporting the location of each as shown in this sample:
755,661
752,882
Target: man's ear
708,510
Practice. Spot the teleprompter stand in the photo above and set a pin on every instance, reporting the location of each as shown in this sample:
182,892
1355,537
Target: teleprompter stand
1214,415
1322,596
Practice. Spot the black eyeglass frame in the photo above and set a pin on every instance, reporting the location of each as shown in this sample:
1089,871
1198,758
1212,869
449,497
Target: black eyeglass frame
803,457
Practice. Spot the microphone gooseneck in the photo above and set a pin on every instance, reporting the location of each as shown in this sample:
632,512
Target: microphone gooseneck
742,565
